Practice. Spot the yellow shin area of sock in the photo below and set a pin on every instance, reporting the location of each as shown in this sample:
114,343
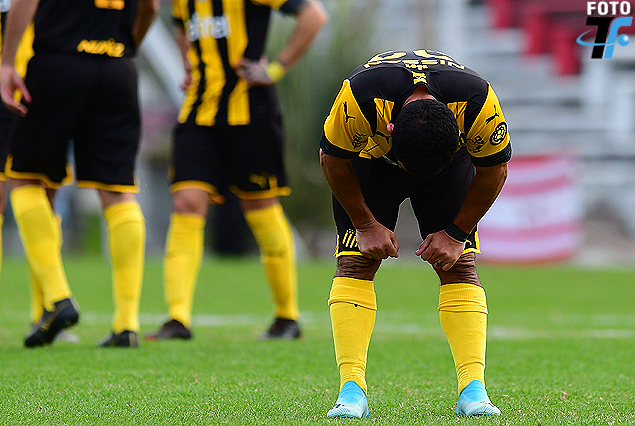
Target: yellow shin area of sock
353,306
183,255
273,235
126,238
463,316
39,230
37,292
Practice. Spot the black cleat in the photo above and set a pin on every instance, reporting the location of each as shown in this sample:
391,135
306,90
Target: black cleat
65,314
125,339
172,329
283,329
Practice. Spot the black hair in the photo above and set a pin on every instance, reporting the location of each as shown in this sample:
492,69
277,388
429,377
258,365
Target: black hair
425,137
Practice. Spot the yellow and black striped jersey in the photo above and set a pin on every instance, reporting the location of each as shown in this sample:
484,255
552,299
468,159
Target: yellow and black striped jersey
98,27
221,32
375,92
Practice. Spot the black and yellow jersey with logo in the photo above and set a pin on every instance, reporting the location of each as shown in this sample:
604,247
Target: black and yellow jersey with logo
97,27
221,32
375,92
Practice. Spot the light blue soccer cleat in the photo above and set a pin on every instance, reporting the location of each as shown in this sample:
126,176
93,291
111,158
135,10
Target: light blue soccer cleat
351,402
474,401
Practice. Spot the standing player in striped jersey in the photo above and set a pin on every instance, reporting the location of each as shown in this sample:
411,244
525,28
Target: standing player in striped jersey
229,137
414,125
81,84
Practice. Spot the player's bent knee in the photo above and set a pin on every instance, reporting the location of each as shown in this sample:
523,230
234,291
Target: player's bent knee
463,271
358,267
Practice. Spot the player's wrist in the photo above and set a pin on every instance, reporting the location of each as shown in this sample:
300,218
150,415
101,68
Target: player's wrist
456,233
275,71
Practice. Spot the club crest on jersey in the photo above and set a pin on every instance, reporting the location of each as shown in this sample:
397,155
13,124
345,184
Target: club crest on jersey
476,143
499,133
208,26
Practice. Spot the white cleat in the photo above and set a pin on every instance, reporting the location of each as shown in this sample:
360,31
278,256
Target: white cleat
474,401
351,402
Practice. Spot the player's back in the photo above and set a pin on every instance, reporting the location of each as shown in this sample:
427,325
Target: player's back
98,27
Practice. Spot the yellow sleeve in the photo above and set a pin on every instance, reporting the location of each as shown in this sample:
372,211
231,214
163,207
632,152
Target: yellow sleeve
25,51
489,134
346,127
177,12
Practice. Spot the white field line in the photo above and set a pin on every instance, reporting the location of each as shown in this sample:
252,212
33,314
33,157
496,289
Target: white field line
562,326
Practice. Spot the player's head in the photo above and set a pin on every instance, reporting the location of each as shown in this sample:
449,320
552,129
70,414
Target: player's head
425,137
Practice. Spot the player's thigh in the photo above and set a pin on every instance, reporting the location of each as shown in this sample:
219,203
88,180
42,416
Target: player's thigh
254,160
59,86
197,163
437,201
107,137
384,187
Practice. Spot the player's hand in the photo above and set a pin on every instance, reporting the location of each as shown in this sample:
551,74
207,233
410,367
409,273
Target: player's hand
441,250
11,82
377,242
254,72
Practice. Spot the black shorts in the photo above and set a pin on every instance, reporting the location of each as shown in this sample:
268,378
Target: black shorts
247,160
435,201
89,100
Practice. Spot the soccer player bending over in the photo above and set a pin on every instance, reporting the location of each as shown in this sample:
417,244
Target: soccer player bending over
414,125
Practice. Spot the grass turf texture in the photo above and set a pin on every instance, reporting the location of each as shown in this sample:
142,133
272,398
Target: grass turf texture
560,351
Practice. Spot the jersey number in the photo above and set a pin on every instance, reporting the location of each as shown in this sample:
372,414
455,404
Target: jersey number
110,4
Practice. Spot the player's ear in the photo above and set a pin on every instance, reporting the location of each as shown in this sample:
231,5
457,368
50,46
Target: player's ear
390,127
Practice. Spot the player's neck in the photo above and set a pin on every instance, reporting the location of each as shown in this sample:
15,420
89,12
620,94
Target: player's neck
421,92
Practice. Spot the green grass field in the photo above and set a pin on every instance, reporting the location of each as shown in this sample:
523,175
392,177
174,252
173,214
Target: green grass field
561,349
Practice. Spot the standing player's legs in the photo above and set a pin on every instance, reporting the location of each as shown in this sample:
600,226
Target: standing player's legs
462,304
272,232
38,159
195,179
126,244
254,165
106,142
352,301
183,255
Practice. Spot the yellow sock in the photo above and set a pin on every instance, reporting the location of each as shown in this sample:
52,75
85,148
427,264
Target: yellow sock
353,306
126,240
37,292
273,235
183,255
463,315
39,232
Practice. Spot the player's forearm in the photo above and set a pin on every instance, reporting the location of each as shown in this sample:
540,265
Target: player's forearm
184,45
484,190
310,21
18,19
147,11
343,181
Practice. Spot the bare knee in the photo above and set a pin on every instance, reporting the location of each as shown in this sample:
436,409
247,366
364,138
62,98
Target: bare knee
463,271
191,201
358,267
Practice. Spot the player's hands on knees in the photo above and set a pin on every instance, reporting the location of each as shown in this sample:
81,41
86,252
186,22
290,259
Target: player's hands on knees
10,83
254,72
440,250
376,241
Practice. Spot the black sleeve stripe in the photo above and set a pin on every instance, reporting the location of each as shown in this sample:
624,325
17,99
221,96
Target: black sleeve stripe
292,7
492,160
335,151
